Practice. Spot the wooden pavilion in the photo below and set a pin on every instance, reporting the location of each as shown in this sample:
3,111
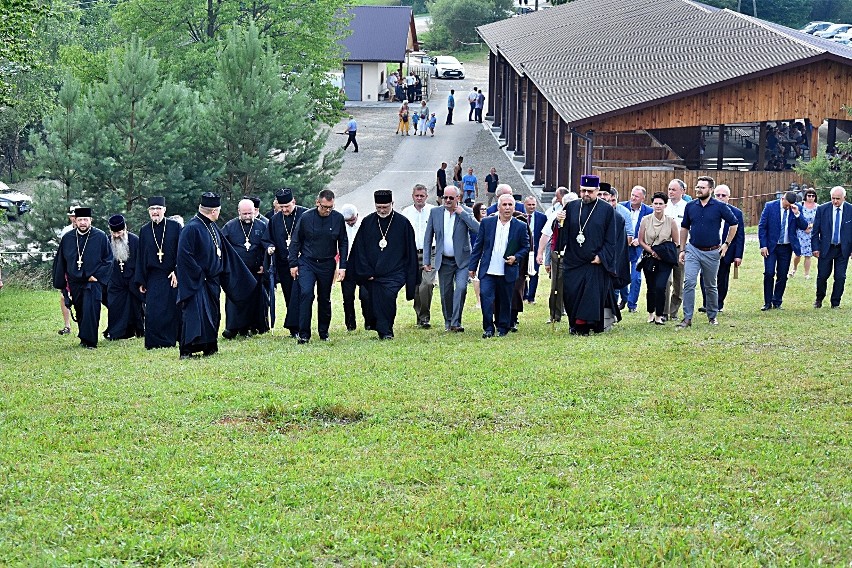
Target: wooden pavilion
628,88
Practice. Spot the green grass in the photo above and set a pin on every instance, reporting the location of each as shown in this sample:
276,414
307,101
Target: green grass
644,446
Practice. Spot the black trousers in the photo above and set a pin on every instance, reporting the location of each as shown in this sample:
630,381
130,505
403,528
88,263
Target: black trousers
351,140
317,274
831,259
656,277
348,289
449,116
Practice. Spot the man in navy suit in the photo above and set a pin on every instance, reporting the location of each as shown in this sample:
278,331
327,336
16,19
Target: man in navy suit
451,227
734,254
831,241
537,221
638,210
778,241
500,246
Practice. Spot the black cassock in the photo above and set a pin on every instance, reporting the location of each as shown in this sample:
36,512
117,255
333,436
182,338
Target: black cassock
278,232
124,300
72,275
206,264
162,316
588,287
383,272
252,315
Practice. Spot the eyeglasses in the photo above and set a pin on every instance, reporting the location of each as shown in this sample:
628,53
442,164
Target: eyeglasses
325,207
810,195
588,190
449,197
701,187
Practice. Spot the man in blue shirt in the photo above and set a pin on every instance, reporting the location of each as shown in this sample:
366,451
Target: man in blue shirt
702,220
451,105
351,128
469,186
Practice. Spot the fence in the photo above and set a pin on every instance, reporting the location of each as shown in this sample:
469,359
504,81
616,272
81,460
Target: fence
749,190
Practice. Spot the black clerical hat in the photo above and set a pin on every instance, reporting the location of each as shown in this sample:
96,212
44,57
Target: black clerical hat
605,186
117,223
284,195
254,199
83,212
210,199
157,201
590,181
383,196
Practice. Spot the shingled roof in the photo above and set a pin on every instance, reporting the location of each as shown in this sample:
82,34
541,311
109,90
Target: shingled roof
597,58
379,33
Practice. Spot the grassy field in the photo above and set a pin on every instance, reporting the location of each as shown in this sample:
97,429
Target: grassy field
645,446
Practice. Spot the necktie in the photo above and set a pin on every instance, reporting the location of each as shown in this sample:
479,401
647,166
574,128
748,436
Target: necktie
835,235
783,238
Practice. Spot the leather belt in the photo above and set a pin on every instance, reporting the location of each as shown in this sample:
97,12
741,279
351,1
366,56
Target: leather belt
708,249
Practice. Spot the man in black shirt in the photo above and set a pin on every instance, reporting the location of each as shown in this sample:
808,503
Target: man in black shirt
319,236
491,181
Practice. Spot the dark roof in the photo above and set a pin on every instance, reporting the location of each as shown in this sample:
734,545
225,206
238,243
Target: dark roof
379,33
594,58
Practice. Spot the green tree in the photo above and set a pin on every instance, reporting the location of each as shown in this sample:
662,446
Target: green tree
19,21
454,22
260,128
188,35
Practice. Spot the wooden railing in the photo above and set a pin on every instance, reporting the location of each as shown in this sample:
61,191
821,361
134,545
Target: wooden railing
749,190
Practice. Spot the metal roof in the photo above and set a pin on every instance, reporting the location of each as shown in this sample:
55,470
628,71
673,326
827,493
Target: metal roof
592,58
379,33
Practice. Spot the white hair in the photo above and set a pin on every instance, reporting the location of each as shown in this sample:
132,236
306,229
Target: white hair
348,211
503,189
569,197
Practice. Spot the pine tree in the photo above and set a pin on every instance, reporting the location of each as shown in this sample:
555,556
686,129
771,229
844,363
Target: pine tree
260,129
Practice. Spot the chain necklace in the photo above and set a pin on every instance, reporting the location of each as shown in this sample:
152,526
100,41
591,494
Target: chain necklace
581,238
80,252
212,235
162,241
290,230
247,235
383,242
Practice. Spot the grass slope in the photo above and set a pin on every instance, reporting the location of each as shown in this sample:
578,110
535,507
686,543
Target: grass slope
723,446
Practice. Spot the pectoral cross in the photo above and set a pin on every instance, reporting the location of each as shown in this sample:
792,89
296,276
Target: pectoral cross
160,255
121,265
80,263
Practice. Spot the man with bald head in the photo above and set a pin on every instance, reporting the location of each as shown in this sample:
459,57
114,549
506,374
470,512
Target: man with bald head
831,241
247,234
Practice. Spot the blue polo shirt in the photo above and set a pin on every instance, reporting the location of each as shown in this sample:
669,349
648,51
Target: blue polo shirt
705,221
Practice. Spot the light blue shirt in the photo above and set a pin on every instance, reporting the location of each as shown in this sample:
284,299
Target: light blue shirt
625,214
351,126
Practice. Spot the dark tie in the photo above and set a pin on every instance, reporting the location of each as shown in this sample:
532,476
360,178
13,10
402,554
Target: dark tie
835,236
783,238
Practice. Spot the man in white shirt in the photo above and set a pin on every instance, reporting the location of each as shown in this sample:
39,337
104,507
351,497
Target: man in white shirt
347,285
674,210
418,215
471,99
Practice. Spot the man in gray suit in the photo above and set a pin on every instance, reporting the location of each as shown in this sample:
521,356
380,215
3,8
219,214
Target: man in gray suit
451,227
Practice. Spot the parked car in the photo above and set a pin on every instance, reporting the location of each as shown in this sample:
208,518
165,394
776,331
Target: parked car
447,66
15,203
833,30
814,27
844,38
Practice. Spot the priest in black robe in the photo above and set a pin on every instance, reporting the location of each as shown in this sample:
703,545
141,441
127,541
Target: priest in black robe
247,234
590,258
279,233
384,259
156,275
207,264
82,267
124,300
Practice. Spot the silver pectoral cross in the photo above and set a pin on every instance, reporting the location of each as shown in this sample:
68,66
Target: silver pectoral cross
247,245
121,265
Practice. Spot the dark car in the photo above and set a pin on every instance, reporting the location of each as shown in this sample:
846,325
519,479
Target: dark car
15,204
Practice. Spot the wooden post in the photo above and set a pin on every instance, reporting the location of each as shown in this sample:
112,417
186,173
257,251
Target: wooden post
563,153
492,83
531,127
814,141
761,147
720,151
504,98
512,111
521,121
498,93
540,139
831,139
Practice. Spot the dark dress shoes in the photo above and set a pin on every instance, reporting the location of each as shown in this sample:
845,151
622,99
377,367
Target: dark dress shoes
818,304
684,324
488,335
229,334
766,307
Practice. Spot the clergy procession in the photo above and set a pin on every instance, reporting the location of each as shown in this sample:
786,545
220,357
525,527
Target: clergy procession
165,282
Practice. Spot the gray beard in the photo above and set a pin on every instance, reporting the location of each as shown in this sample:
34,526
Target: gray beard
120,248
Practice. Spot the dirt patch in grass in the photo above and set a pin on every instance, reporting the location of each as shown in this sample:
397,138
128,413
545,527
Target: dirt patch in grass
296,418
